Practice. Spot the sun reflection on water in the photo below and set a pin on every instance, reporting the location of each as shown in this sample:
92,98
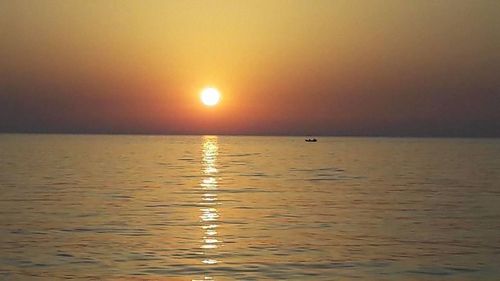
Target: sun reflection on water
209,214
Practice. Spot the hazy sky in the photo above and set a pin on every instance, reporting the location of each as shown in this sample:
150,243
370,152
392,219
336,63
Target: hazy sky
414,67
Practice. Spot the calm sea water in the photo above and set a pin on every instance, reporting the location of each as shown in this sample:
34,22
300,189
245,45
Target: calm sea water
248,208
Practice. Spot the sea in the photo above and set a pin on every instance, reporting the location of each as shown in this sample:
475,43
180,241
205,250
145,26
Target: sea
130,207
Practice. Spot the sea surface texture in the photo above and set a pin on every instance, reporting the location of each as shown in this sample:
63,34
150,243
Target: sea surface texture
248,208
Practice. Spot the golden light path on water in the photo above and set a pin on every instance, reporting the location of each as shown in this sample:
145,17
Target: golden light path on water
209,214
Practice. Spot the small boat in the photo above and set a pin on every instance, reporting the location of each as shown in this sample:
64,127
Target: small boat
311,140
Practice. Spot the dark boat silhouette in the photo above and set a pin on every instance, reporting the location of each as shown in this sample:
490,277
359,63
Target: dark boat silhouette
311,140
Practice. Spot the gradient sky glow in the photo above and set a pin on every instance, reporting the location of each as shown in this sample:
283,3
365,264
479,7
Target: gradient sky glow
398,68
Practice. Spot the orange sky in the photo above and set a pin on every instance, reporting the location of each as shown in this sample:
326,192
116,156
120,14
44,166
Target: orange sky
283,67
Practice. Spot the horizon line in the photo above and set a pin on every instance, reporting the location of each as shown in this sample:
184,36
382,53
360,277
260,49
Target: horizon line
253,135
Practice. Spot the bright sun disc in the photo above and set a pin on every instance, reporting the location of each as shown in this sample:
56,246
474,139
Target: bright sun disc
210,96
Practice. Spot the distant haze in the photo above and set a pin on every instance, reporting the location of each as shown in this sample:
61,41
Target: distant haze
395,68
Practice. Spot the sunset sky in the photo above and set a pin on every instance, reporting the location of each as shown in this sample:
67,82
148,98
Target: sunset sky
397,68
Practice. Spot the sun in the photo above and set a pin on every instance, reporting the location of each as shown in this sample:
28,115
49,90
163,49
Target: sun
210,96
